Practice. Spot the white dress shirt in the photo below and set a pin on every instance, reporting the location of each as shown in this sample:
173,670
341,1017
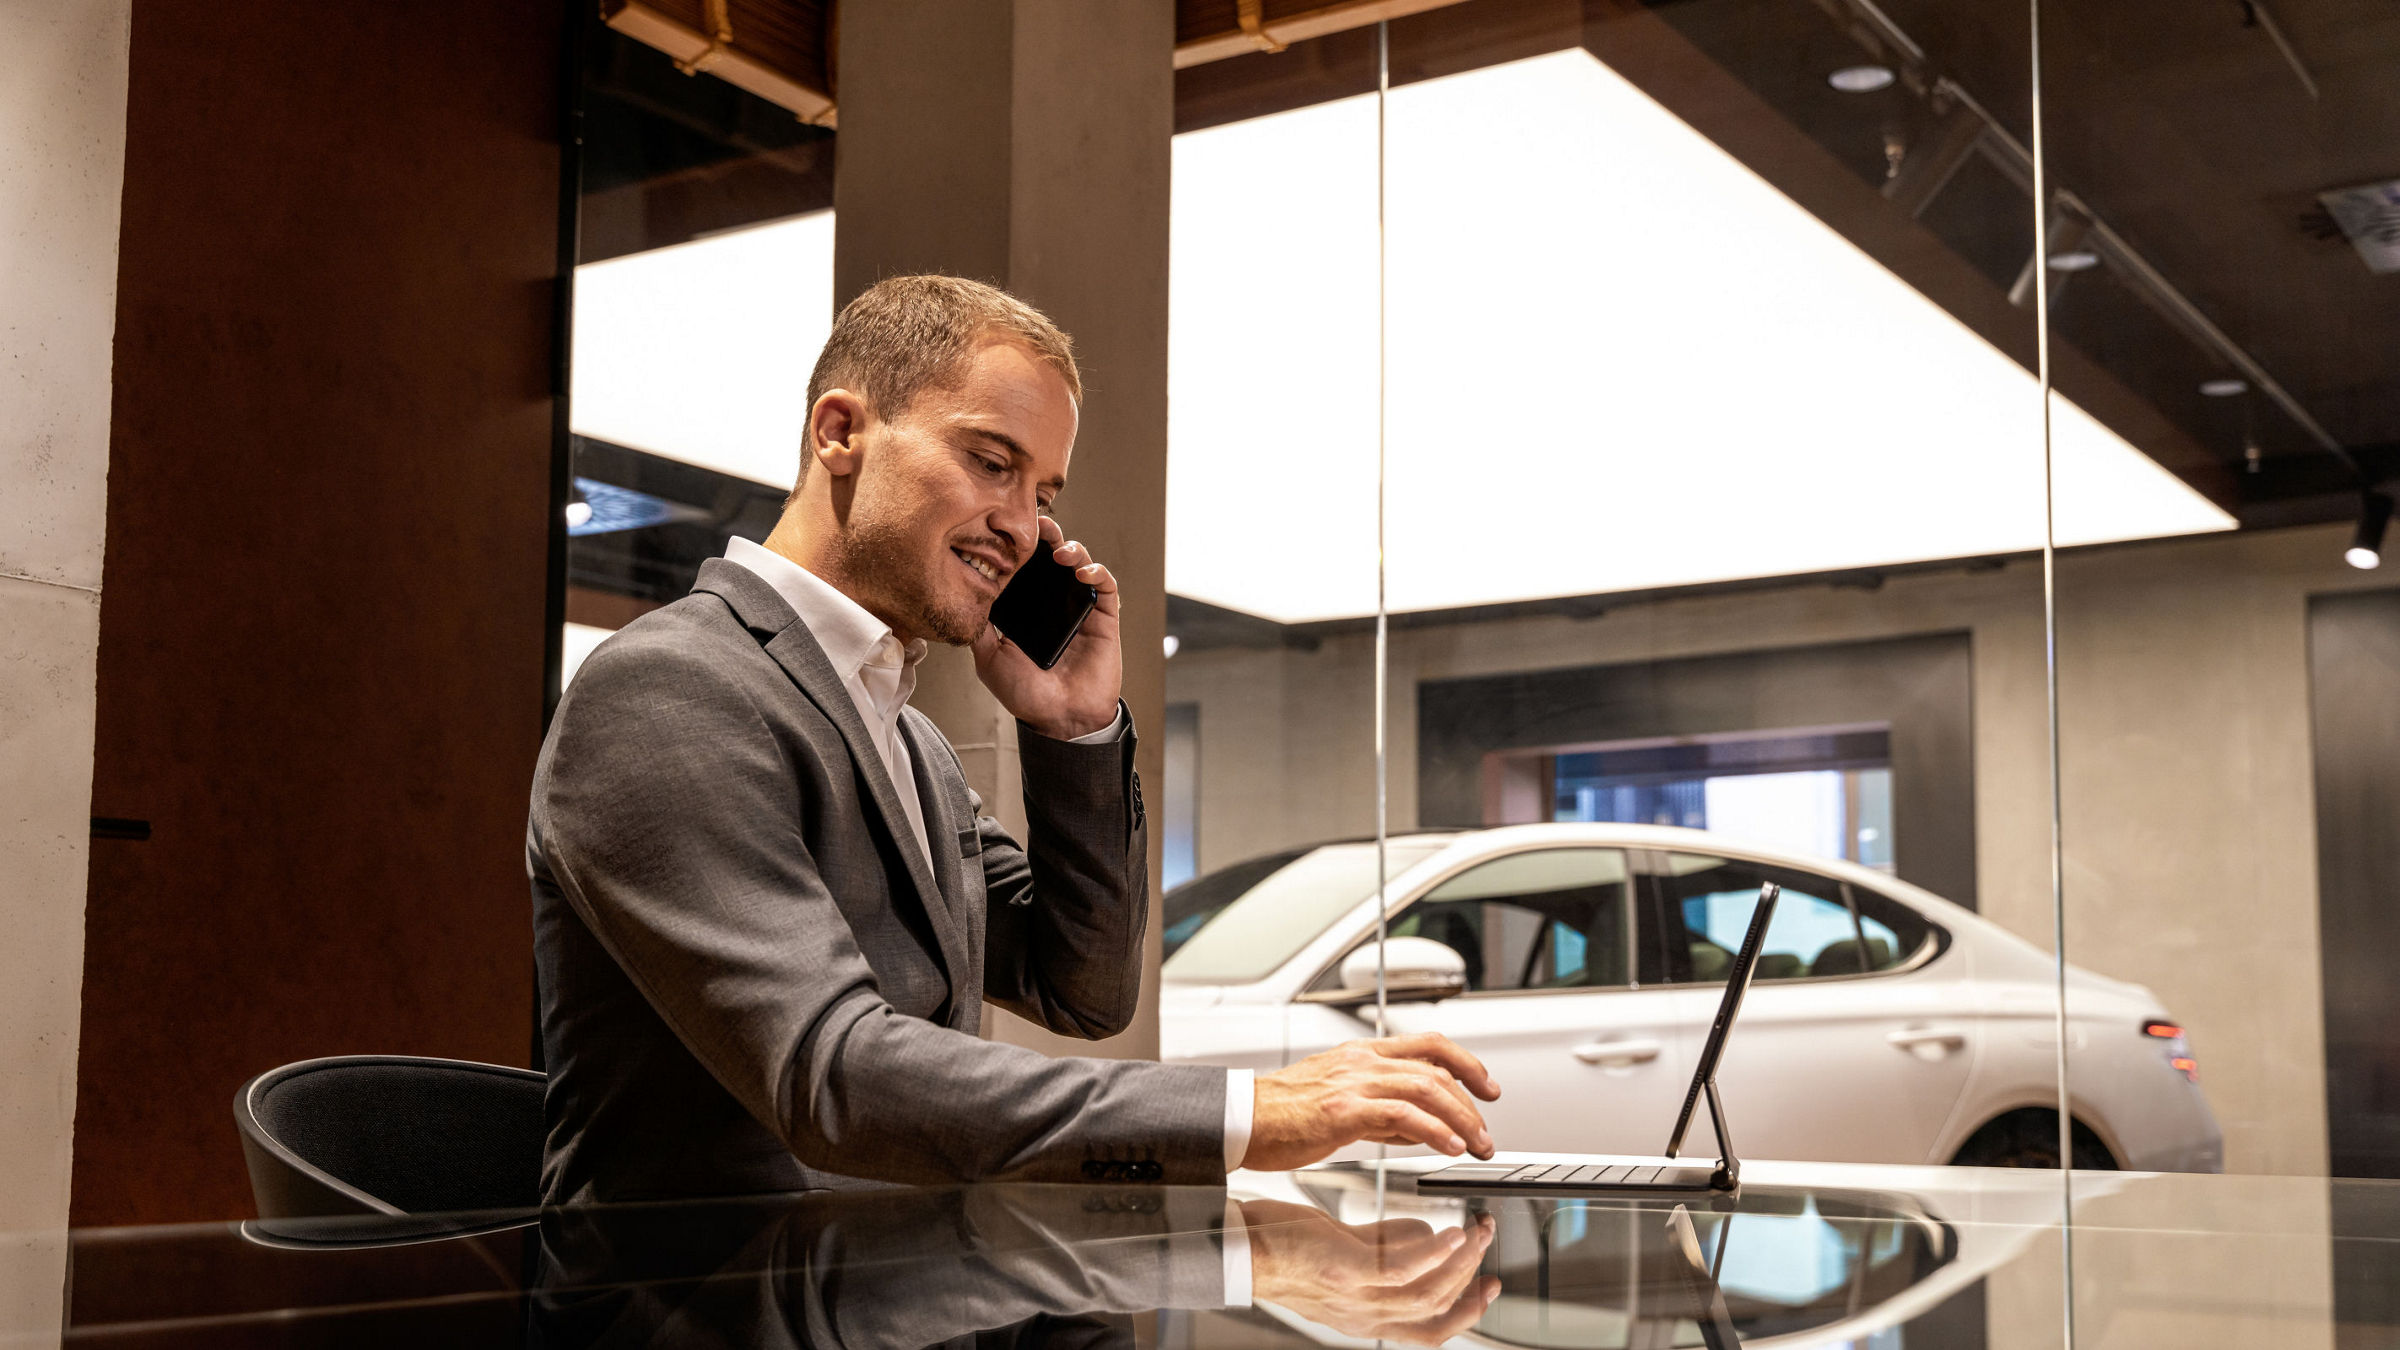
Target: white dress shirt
880,673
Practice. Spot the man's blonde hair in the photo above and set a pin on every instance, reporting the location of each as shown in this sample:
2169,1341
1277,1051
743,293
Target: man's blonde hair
905,335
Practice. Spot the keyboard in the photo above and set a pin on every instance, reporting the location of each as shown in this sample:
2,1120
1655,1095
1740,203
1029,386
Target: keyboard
1640,1177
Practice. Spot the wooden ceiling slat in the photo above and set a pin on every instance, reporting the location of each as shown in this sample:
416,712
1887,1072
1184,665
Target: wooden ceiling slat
1287,21
778,49
782,50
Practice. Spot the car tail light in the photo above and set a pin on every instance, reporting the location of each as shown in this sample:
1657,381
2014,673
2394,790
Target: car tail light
2179,1053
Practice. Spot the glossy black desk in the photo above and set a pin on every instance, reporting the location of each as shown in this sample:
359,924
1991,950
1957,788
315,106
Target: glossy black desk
1867,1257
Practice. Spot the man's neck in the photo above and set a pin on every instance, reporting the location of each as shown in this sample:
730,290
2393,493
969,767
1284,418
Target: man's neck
818,552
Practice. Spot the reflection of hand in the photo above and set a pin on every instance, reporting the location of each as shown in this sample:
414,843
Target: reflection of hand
1399,1280
1399,1090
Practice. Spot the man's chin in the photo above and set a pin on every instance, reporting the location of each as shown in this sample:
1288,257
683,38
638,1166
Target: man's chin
955,627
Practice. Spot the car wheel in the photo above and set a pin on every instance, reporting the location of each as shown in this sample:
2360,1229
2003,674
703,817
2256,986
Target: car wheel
2029,1138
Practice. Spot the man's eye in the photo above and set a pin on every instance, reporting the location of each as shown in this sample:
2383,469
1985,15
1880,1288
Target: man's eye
996,466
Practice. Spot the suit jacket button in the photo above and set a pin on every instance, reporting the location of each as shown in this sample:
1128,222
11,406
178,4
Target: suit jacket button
1147,1171
1095,1171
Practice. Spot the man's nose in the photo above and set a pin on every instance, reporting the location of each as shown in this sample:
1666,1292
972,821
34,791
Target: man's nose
1020,524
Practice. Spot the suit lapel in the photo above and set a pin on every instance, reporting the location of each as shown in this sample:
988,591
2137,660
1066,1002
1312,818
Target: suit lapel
795,649
930,754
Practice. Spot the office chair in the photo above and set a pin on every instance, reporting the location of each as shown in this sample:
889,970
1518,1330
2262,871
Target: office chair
391,1135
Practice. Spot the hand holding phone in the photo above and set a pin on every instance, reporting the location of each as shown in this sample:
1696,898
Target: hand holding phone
1051,653
1043,606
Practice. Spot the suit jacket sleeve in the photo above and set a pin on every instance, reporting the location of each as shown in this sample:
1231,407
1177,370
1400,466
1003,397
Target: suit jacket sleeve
1065,917
933,1269
671,815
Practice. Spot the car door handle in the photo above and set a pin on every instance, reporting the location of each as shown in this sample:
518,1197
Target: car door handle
1928,1042
1617,1054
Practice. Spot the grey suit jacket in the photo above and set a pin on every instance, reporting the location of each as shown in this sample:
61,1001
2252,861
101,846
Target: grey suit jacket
750,980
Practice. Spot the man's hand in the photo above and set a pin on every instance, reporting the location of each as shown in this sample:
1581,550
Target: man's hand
1399,1280
1078,696
1401,1090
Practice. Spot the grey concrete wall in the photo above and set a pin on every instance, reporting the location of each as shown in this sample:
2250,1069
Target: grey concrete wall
62,171
2189,815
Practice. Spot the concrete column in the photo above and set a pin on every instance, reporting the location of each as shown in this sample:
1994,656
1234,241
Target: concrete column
1027,143
62,171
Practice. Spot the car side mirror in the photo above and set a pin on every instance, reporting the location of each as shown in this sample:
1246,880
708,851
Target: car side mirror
1415,970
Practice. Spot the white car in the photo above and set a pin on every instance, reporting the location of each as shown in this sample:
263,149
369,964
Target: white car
1582,964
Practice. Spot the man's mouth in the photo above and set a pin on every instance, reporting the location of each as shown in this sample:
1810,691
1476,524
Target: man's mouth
981,566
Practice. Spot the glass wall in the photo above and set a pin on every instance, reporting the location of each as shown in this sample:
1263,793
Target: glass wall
2223,216
1805,456
1709,490
1271,490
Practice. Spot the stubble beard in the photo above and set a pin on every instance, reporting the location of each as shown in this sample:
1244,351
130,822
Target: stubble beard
882,559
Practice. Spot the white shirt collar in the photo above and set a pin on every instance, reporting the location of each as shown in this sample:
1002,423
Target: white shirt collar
854,640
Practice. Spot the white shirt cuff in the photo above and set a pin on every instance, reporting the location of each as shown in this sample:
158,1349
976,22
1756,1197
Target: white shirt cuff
1240,1087
1107,733
1237,1256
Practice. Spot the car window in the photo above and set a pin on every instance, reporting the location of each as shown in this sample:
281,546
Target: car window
1813,933
1252,936
1553,919
1889,927
1190,907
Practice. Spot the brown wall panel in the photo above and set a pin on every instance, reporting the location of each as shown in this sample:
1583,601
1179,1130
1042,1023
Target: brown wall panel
322,619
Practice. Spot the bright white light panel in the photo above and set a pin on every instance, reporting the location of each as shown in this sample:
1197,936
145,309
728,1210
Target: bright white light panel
1619,360
581,639
701,352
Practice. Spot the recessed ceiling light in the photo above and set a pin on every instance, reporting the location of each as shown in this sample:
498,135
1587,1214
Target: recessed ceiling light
1861,79
2074,260
2366,546
2224,388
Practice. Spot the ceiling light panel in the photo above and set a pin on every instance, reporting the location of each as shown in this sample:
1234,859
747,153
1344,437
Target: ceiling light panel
701,352
1619,360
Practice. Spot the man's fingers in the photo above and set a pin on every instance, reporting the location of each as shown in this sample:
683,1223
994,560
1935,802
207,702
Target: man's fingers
1398,1118
1443,1282
1447,1299
1433,1092
1393,1230
1432,1047
1407,1261
1462,1315
1443,1079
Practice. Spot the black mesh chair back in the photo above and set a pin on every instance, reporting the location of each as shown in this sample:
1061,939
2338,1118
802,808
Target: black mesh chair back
391,1134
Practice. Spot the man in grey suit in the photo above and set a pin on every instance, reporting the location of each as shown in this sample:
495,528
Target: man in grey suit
766,906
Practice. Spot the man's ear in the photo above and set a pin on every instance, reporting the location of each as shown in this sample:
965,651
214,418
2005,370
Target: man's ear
834,424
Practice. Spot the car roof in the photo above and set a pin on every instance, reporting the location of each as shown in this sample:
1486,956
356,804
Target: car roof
1508,838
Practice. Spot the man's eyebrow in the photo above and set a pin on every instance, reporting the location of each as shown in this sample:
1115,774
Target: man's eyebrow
1056,482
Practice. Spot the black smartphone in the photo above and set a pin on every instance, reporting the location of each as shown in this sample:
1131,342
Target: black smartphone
1042,607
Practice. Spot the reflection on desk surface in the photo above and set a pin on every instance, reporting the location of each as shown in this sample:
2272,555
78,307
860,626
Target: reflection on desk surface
1789,1265
1807,1255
